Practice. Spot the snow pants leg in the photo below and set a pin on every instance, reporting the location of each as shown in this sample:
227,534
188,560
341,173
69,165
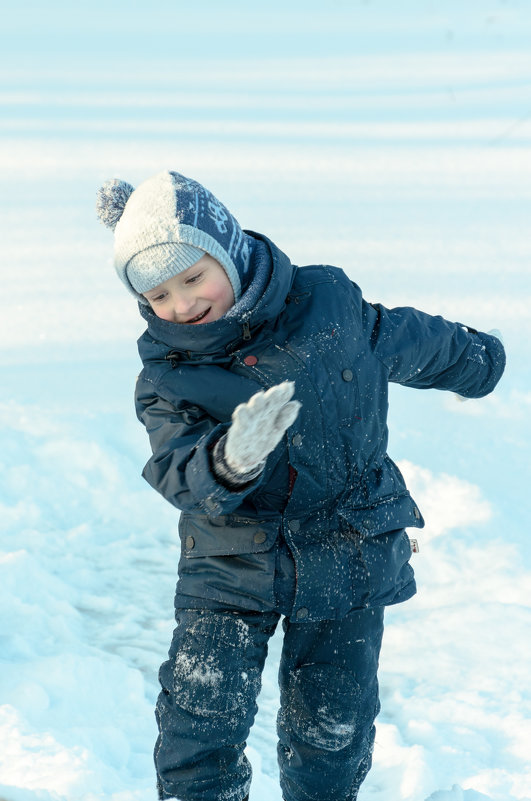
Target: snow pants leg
210,682
329,701
208,703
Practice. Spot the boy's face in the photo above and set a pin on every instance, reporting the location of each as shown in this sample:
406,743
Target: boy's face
200,294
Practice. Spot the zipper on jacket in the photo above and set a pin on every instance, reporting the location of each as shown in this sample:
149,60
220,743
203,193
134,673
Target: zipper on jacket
246,331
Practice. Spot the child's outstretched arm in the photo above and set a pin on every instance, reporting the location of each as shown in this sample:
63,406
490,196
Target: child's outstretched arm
429,352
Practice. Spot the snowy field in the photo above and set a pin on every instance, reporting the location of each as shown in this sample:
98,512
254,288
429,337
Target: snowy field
392,139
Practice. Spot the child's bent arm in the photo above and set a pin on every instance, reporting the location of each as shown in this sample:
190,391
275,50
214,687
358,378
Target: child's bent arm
182,441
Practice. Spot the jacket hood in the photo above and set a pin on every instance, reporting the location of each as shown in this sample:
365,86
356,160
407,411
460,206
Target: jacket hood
264,300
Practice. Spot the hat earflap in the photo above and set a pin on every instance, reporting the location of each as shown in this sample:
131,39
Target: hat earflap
111,200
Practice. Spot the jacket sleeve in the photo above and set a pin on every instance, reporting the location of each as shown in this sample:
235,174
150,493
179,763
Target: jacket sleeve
428,352
182,438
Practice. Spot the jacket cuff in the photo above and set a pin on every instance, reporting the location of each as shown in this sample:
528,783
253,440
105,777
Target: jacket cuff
492,349
228,476
211,496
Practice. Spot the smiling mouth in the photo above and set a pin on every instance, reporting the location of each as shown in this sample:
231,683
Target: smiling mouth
198,318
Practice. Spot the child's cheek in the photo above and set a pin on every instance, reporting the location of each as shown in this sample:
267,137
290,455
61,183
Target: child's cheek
164,314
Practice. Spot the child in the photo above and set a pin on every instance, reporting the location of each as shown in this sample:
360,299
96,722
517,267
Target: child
264,394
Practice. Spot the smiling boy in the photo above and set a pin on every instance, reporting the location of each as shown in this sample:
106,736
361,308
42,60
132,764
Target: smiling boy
290,508
200,294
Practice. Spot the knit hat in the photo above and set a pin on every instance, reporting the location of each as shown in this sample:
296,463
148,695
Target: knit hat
166,225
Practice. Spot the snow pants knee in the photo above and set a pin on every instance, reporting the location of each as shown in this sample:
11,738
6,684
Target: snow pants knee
210,682
207,705
328,705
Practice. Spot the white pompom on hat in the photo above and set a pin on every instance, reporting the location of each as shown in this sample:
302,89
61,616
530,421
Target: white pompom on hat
166,225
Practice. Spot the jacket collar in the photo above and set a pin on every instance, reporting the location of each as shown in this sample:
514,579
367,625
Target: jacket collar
238,324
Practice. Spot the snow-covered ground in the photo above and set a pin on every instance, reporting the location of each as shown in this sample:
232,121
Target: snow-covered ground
390,139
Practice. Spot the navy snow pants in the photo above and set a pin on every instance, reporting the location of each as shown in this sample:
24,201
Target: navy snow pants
210,682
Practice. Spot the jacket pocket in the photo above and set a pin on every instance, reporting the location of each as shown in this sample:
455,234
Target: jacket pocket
379,566
389,514
228,535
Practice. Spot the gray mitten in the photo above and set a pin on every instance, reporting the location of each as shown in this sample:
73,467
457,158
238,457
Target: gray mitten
257,428
259,425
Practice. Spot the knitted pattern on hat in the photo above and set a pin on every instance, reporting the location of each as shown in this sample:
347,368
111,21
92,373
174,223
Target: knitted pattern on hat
166,225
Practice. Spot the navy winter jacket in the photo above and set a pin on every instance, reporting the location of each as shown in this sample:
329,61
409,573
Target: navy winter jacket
329,489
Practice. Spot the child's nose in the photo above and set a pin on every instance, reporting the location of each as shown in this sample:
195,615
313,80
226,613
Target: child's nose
182,304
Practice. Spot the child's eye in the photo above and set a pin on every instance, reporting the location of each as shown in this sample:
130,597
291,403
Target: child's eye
194,278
